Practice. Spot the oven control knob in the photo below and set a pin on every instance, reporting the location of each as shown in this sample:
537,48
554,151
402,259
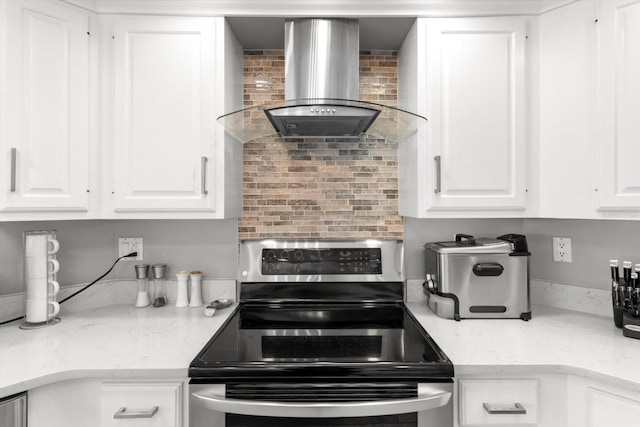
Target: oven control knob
270,267
284,255
298,255
271,255
298,267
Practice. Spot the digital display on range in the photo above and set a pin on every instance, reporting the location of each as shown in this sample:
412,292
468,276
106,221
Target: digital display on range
321,261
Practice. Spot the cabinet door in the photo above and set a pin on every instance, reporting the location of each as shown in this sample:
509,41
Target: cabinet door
164,116
596,404
474,96
143,404
618,105
494,402
567,125
44,132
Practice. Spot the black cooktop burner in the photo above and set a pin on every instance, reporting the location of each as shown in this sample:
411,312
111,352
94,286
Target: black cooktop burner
328,341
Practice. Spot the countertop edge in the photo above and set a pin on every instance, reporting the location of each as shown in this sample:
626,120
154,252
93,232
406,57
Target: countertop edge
76,374
182,373
544,369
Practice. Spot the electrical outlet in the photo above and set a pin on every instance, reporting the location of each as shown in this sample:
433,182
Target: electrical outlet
562,249
126,245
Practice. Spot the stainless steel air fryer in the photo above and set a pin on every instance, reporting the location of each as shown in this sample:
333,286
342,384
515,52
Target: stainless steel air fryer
478,278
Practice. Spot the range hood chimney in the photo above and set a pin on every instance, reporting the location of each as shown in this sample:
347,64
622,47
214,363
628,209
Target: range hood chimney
322,65
322,61
322,58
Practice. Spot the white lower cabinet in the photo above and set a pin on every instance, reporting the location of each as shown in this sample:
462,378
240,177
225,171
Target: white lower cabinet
547,400
594,404
531,400
142,404
109,403
498,402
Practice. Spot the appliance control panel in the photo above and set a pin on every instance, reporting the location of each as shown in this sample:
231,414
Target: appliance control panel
321,261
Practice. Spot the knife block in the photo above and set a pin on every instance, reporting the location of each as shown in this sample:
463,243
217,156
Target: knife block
631,326
618,316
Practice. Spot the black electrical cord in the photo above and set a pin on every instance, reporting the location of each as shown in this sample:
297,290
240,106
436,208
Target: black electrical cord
83,289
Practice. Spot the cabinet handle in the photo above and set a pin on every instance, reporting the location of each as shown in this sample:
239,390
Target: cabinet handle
517,409
121,413
14,153
203,174
438,175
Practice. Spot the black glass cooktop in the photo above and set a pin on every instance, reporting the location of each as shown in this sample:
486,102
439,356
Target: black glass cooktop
327,341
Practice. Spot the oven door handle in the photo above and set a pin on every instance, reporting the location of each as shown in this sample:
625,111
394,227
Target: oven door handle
429,397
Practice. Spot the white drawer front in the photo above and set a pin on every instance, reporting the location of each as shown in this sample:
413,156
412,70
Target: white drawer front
479,397
139,399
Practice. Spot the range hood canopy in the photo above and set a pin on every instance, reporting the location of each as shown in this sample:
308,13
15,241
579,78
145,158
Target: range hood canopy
322,91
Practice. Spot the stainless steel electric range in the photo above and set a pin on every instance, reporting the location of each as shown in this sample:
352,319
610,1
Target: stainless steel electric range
321,337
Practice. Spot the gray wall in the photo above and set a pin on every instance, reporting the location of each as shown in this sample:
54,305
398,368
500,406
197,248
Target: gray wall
593,243
88,248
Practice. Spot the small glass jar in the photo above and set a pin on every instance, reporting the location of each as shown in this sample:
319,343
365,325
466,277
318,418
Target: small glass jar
142,274
159,288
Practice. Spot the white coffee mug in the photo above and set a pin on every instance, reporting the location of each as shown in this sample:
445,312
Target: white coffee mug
39,245
53,266
41,310
41,288
53,287
52,246
36,267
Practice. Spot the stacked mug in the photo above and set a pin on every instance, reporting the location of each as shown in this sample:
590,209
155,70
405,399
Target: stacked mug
40,273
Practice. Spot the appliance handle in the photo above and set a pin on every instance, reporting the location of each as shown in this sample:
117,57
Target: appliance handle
484,269
429,397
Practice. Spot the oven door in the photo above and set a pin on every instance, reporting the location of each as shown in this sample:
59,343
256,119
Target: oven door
321,405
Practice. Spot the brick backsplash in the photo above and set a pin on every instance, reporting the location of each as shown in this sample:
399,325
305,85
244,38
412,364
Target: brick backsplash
322,188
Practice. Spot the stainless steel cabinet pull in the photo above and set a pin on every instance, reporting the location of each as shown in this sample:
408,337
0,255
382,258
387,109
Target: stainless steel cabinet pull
438,175
14,153
203,174
121,413
517,409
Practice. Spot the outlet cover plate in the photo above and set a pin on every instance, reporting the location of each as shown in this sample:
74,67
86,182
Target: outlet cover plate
562,249
126,245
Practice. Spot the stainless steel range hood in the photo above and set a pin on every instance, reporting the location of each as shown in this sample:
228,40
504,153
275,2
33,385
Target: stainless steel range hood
322,91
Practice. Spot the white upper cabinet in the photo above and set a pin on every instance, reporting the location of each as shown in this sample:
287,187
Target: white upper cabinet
589,109
567,111
45,108
618,108
167,152
470,159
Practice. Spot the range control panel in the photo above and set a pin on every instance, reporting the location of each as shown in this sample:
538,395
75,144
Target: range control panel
321,261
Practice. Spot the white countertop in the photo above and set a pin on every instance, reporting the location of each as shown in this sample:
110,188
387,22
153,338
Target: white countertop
113,341
121,341
554,341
